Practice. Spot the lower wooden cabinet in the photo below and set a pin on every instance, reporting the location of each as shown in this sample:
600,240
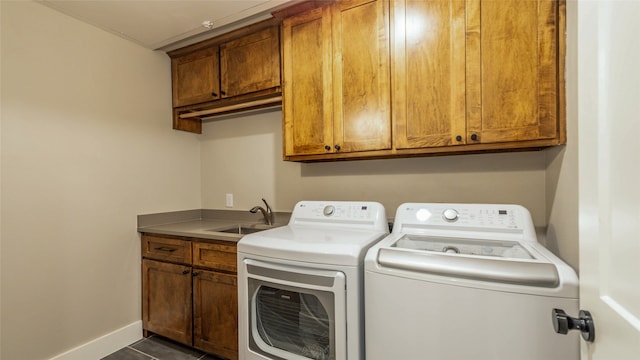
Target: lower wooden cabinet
187,302
215,308
166,298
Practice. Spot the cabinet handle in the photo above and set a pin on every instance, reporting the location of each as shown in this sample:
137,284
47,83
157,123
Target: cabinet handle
194,274
214,94
474,137
327,147
165,249
458,138
223,92
185,272
337,147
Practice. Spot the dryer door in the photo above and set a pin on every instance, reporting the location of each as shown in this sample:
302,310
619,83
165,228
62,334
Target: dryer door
295,313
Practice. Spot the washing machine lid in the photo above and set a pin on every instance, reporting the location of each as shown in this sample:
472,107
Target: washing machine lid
479,259
479,247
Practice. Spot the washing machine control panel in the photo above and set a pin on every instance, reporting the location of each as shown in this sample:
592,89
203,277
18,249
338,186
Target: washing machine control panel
450,214
490,217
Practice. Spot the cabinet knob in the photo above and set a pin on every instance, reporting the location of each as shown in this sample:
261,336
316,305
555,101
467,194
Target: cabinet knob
327,147
458,138
474,137
185,272
194,274
214,94
337,147
223,92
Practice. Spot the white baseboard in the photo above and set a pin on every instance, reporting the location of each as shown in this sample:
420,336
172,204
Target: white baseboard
104,345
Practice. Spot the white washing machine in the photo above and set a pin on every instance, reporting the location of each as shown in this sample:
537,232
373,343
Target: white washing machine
466,281
300,286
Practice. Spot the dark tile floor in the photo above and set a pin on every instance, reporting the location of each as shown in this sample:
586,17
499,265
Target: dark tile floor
158,348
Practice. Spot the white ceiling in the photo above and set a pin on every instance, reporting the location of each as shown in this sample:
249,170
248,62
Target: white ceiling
166,25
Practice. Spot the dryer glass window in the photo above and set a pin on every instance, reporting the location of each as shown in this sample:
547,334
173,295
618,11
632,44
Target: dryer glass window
295,322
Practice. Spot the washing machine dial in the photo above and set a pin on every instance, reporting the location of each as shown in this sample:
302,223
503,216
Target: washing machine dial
450,215
329,210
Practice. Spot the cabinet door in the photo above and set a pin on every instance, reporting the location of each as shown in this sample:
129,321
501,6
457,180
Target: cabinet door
361,84
215,300
512,52
250,63
166,300
428,73
307,102
196,77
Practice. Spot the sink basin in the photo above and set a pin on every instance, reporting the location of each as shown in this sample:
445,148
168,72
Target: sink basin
241,229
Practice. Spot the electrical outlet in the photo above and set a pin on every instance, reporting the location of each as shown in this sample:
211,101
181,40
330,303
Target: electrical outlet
229,200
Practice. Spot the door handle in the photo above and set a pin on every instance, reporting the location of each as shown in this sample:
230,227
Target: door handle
563,323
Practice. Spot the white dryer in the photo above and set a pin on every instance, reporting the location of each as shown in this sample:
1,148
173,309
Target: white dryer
300,286
466,281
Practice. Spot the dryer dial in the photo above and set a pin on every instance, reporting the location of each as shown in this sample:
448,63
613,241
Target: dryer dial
329,210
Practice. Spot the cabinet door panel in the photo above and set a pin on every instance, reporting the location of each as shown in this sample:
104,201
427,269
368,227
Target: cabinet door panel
361,83
166,300
512,67
429,73
196,77
251,63
215,314
308,114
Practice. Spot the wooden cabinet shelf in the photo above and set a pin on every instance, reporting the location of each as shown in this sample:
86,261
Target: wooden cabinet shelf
189,292
227,73
435,77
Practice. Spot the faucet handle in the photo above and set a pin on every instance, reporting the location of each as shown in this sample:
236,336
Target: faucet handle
269,215
266,204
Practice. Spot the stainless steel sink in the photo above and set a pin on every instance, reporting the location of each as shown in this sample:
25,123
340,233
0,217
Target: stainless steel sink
242,229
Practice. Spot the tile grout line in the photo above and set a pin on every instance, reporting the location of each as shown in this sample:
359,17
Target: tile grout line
143,353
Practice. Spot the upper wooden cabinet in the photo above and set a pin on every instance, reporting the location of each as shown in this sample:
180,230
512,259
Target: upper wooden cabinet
233,72
474,75
336,79
477,73
428,73
512,70
250,63
196,77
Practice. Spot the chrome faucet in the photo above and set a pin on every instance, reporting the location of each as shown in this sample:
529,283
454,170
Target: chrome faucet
267,214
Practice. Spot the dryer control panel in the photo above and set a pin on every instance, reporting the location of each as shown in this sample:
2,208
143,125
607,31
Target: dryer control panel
363,215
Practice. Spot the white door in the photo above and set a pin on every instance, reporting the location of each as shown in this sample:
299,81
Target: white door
609,189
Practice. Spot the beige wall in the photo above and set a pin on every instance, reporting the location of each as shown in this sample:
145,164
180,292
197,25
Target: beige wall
86,146
243,155
562,162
